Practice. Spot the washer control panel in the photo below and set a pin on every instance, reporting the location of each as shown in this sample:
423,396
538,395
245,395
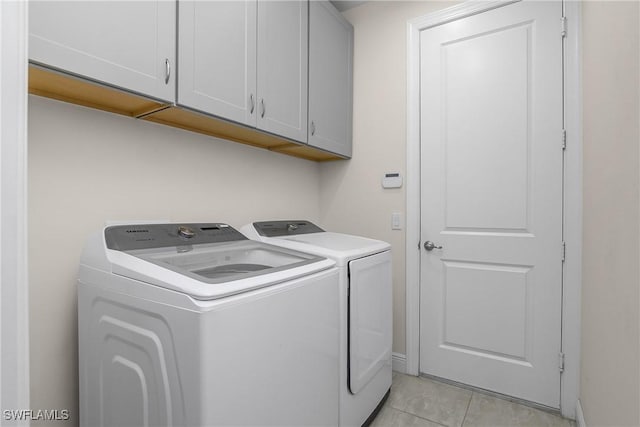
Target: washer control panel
146,236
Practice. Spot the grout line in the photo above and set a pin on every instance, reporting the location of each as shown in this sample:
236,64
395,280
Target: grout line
417,416
490,393
474,392
466,412
422,418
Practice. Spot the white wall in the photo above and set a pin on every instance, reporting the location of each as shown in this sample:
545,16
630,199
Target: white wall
610,380
352,199
87,166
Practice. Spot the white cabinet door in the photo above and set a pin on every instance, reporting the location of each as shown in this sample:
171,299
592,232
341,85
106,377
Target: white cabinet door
127,44
330,79
217,58
282,68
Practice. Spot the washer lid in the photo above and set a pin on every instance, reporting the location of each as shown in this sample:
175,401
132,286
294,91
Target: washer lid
216,263
206,261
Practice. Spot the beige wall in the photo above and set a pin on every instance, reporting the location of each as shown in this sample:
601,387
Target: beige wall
610,389
352,199
86,167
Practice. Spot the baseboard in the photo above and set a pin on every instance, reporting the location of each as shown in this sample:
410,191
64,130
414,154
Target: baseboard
580,415
399,362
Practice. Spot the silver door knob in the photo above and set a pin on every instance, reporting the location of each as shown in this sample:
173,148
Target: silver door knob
429,246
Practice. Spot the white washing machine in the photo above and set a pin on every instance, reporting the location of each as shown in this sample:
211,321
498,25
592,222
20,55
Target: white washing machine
365,308
195,325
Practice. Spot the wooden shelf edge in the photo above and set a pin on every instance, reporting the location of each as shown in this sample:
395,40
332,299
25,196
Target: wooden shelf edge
187,119
67,88
74,90
307,151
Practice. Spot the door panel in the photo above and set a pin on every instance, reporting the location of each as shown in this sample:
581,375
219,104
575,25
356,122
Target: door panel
330,79
491,123
217,53
370,318
283,35
121,43
472,326
486,112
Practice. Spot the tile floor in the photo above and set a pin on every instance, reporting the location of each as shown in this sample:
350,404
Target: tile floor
421,402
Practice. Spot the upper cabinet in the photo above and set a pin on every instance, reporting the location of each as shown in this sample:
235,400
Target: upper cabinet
217,57
330,79
246,61
283,43
127,44
274,74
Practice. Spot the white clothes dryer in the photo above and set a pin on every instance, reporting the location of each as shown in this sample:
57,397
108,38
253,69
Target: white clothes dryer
195,325
365,308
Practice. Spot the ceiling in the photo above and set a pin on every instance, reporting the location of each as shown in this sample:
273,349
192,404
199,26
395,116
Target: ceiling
343,5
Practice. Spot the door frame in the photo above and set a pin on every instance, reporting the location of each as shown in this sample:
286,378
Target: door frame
572,200
14,290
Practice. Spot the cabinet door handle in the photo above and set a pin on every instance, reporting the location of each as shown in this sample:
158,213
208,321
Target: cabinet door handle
167,70
253,104
313,128
263,109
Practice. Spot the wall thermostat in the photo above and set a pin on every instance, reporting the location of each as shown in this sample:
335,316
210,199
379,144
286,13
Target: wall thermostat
392,180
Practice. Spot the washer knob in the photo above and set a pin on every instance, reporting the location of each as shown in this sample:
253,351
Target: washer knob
186,232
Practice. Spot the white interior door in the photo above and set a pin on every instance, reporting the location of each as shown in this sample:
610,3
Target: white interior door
491,196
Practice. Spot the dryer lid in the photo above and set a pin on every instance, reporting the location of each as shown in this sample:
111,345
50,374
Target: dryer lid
307,237
339,242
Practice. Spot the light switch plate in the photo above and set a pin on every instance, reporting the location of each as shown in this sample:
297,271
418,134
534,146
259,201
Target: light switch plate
396,221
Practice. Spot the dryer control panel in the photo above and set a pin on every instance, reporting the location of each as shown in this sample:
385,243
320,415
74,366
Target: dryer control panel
286,228
146,236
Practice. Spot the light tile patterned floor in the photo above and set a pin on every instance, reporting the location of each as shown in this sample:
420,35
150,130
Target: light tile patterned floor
421,402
